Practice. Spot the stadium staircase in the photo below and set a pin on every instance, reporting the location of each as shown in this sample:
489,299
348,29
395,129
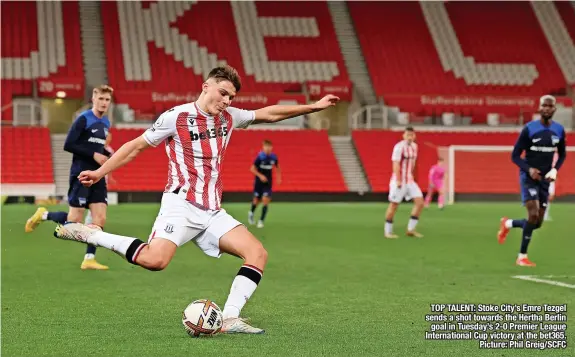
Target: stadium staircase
349,164
93,49
351,51
62,160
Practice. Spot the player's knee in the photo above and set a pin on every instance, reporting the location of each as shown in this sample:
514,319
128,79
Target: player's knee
533,217
258,254
99,219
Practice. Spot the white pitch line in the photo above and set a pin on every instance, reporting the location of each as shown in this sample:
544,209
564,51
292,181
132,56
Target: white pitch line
544,281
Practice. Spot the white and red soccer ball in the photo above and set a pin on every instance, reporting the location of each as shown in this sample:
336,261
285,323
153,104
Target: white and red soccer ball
202,317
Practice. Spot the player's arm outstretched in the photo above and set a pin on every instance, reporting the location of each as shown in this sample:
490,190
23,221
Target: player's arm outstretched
163,128
521,145
275,113
73,144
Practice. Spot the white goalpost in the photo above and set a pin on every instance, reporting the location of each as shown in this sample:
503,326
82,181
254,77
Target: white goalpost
496,158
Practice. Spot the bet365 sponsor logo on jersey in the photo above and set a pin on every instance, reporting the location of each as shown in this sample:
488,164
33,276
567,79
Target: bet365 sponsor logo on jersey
209,134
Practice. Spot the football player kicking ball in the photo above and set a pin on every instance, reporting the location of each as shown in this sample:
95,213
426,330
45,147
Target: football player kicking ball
196,136
539,139
402,184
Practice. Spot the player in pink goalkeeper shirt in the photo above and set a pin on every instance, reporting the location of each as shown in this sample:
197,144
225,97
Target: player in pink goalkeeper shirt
436,175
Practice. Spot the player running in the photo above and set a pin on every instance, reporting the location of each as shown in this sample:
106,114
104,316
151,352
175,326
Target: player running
196,136
87,140
436,175
402,184
42,214
262,170
539,139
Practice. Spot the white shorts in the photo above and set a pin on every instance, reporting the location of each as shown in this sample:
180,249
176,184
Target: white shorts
552,188
180,222
406,191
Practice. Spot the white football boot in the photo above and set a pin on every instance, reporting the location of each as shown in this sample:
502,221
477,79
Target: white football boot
239,325
76,231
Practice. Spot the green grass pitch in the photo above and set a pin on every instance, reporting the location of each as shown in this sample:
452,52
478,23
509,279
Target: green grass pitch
333,285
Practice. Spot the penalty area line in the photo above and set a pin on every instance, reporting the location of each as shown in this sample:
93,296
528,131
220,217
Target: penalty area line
535,279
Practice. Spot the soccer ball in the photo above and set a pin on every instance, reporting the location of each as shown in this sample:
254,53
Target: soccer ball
202,317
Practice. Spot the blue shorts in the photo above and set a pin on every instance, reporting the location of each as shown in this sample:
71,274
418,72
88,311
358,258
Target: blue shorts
262,190
80,196
534,190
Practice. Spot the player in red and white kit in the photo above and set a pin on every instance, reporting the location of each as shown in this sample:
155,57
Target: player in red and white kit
402,184
196,136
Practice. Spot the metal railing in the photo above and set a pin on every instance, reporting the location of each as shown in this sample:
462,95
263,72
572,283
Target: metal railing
373,116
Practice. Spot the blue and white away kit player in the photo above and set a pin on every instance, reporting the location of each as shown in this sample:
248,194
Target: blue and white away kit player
262,169
539,140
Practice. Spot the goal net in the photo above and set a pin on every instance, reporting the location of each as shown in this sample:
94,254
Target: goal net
485,170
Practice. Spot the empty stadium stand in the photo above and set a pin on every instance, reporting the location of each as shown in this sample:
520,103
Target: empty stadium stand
313,169
495,48
26,156
168,47
40,41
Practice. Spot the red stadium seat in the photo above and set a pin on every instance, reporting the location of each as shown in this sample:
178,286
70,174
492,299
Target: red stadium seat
176,57
403,60
26,155
314,169
20,39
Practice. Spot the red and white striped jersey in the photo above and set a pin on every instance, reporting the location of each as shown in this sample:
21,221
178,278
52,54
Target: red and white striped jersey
195,144
405,154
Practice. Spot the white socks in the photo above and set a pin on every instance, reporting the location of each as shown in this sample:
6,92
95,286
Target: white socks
45,216
388,227
509,223
244,285
89,256
114,242
412,223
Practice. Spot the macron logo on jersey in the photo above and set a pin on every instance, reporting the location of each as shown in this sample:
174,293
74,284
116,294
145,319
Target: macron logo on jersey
209,134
